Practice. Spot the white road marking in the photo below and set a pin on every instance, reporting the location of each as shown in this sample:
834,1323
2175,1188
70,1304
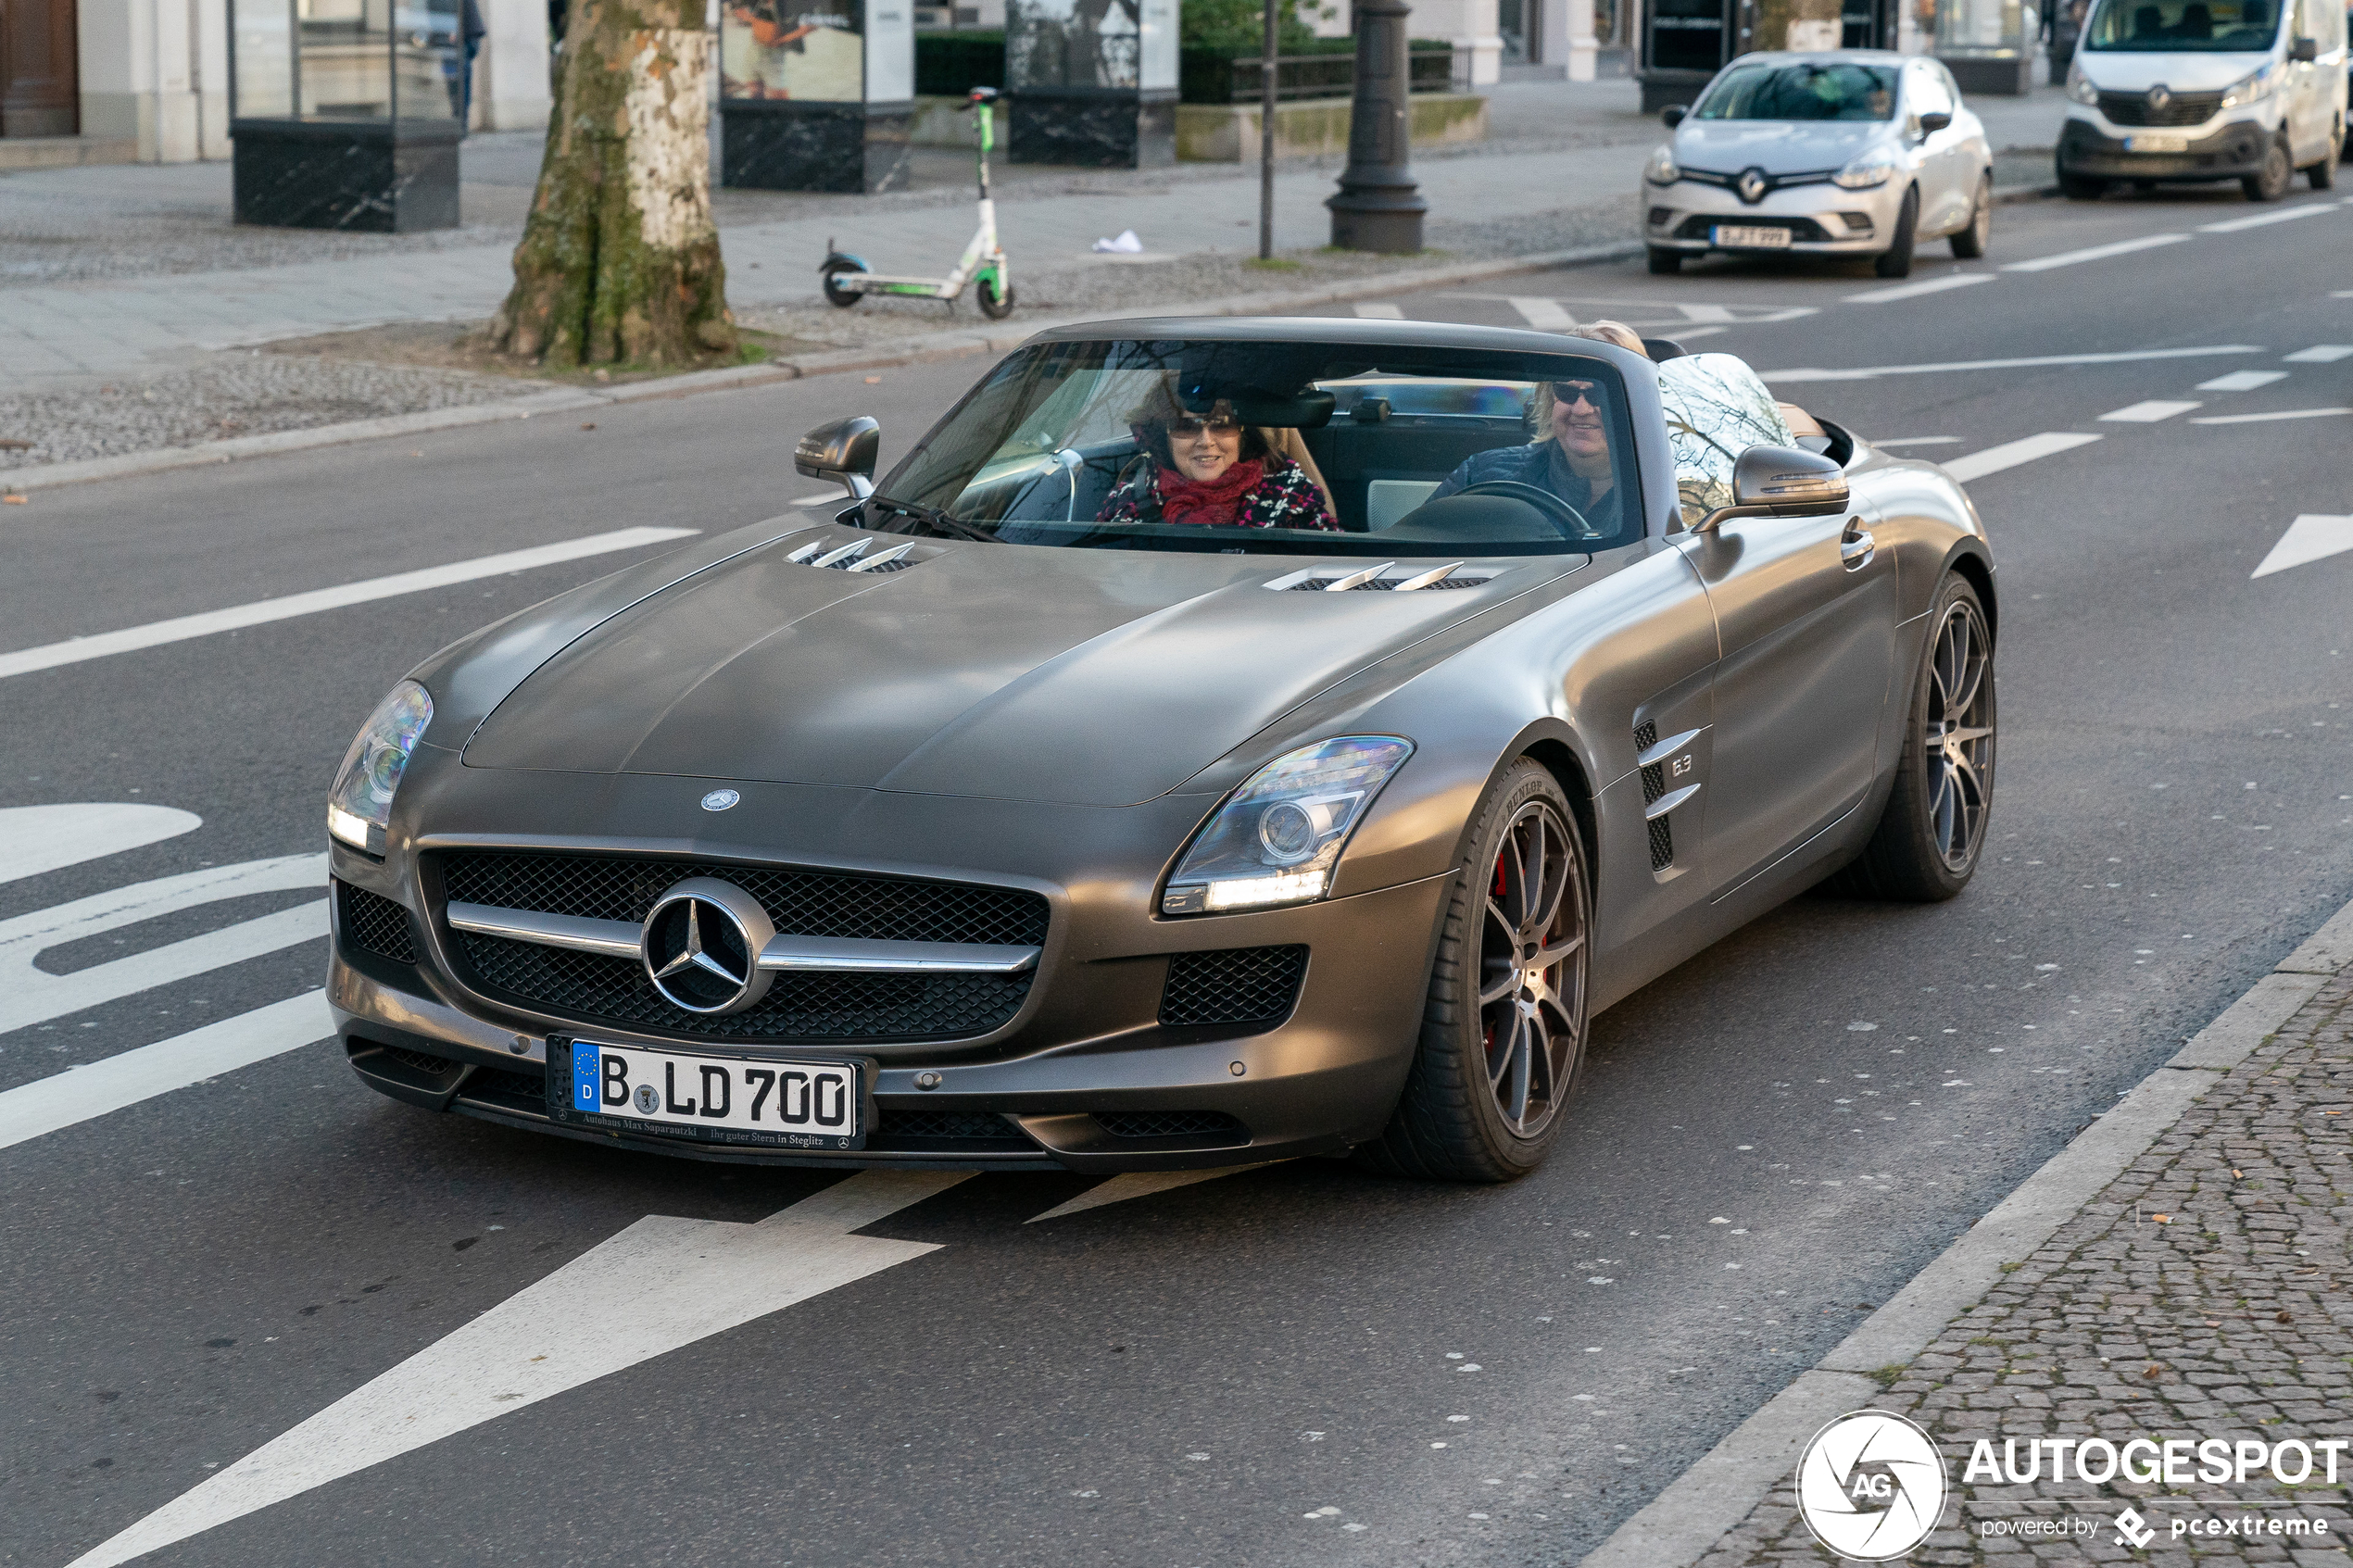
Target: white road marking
30,995
2010,453
2241,381
2321,353
1708,312
660,1284
2149,413
1141,1184
182,628
1377,310
1919,441
2267,418
1547,315
83,1094
2094,252
34,839
2036,362
1687,334
2310,538
1912,290
2282,215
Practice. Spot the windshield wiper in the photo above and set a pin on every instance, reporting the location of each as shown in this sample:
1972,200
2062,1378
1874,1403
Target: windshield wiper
932,519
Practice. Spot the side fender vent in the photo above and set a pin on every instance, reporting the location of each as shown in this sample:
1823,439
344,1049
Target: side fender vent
857,555
1654,785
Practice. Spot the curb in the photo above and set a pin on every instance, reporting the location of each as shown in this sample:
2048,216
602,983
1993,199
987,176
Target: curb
906,351
1711,1499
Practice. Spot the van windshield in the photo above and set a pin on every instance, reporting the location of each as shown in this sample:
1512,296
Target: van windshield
2183,26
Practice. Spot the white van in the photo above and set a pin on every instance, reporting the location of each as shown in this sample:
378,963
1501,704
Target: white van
2181,90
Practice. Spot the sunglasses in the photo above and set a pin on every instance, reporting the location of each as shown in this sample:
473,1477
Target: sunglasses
1189,427
1568,394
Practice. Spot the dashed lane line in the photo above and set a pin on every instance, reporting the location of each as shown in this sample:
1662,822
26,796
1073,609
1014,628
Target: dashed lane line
1912,290
2096,253
81,1094
2263,220
2241,381
2010,453
182,628
2036,362
2267,418
2310,538
37,839
2319,354
2148,413
1378,310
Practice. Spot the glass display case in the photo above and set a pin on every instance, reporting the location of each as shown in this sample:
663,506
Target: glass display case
1989,44
345,113
815,94
1685,42
1091,83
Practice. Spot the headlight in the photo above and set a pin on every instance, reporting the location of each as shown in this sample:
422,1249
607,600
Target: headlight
361,804
2253,89
2081,88
1869,169
1661,169
1277,839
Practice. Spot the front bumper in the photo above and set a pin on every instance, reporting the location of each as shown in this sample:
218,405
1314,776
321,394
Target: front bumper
1823,219
2233,151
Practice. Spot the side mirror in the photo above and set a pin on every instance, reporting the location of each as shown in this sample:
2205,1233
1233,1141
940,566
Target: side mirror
1781,482
844,452
1931,123
1673,115
2304,51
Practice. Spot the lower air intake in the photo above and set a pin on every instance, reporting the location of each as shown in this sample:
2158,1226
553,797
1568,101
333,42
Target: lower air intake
1233,985
374,924
1171,1124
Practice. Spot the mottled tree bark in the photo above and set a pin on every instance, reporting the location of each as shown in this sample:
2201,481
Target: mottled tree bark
620,260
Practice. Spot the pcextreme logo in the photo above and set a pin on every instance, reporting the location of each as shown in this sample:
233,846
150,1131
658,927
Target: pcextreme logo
1870,1486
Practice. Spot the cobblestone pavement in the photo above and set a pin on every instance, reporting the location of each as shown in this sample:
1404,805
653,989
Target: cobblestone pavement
2205,1294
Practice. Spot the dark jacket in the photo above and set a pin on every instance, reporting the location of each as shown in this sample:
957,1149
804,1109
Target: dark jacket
1545,466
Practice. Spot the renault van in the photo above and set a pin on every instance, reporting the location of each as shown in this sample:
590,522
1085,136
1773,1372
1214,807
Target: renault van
2171,91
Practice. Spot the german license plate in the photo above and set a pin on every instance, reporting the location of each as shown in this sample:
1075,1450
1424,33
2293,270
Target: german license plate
1749,237
760,1101
2157,143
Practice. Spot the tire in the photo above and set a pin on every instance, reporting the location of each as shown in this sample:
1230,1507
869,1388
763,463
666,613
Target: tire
994,306
1932,833
1896,261
2279,173
2322,175
2081,187
1664,261
836,267
1503,1040
1970,243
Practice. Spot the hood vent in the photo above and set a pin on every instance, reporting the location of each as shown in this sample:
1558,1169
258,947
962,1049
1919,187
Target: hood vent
859,554
1387,577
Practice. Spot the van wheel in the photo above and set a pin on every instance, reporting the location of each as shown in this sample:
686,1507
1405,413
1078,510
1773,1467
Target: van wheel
1970,243
1664,261
2279,172
1896,261
2081,187
2323,174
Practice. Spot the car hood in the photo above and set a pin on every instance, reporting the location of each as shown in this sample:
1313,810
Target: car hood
1777,147
1001,670
2191,71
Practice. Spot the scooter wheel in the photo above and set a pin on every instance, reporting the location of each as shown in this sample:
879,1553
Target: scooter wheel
837,295
994,306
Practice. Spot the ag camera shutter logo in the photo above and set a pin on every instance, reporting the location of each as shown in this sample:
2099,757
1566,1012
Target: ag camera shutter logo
1870,1486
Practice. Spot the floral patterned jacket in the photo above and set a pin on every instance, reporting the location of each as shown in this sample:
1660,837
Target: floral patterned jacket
1285,497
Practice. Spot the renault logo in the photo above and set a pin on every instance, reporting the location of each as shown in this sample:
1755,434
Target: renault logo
2159,95
701,944
1752,186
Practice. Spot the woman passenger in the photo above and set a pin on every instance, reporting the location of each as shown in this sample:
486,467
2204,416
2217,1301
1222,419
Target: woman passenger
1207,468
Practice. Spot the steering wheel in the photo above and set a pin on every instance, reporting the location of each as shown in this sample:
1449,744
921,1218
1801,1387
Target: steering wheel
1567,519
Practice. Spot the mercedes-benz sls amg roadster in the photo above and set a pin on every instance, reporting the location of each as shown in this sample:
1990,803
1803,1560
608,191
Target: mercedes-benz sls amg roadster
1214,742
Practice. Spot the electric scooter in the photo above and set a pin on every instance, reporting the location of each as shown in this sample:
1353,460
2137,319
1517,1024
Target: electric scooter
846,278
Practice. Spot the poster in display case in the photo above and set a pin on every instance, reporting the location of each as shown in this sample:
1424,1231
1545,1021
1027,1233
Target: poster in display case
1091,83
815,94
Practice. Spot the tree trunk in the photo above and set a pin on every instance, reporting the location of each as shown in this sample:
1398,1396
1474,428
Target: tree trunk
620,260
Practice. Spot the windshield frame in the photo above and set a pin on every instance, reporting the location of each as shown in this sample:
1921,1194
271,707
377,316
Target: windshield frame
2105,9
1728,81
1336,350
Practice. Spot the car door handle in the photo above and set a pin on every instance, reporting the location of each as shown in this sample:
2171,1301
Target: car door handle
1856,549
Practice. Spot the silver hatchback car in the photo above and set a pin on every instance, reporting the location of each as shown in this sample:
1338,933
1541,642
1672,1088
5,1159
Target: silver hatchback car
1846,152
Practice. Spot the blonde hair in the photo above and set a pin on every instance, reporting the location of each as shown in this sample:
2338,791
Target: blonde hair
1540,408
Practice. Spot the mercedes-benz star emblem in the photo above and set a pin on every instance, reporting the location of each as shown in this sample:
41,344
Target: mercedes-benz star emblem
1753,185
720,799
701,944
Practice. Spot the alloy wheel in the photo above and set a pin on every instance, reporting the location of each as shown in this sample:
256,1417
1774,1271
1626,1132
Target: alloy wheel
1960,736
1532,953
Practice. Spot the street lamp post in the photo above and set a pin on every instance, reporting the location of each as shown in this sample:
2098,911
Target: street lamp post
1378,206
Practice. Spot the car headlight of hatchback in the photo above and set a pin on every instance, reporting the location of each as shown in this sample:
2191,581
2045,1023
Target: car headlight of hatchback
2252,88
1276,840
361,804
1661,169
2080,87
1865,171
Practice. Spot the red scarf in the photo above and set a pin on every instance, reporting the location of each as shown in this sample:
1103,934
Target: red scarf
1211,502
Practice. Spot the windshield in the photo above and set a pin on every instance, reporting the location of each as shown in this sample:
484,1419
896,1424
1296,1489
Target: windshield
1804,91
2150,26
1298,448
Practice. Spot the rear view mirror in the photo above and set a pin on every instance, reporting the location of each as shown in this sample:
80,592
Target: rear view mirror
843,451
2304,51
1781,482
1933,123
1673,115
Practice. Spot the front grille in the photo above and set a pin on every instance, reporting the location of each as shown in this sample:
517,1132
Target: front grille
596,989
963,1125
498,1083
1655,785
800,903
418,1061
1232,985
2182,108
1170,1124
374,924
1701,226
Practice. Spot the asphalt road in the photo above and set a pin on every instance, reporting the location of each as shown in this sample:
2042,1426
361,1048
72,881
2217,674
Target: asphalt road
1294,1364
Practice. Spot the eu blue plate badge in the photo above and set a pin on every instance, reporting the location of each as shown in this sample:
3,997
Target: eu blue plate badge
586,1072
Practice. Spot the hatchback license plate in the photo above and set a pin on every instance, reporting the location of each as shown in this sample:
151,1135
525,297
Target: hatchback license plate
2157,143
1748,237
799,1104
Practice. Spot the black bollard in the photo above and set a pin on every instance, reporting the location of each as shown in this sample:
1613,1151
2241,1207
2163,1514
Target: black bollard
1378,206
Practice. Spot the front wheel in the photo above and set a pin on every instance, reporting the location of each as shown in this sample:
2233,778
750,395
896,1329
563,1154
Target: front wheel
830,276
2081,187
2323,174
1503,1038
1896,261
1970,243
995,305
1664,261
1933,829
2277,174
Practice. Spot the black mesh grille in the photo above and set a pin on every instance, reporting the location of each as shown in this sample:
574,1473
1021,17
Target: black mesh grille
1384,585
2182,108
1702,226
1655,785
959,1126
1232,985
901,564
374,923
1662,845
1168,1123
802,903
418,1061
494,1082
593,988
